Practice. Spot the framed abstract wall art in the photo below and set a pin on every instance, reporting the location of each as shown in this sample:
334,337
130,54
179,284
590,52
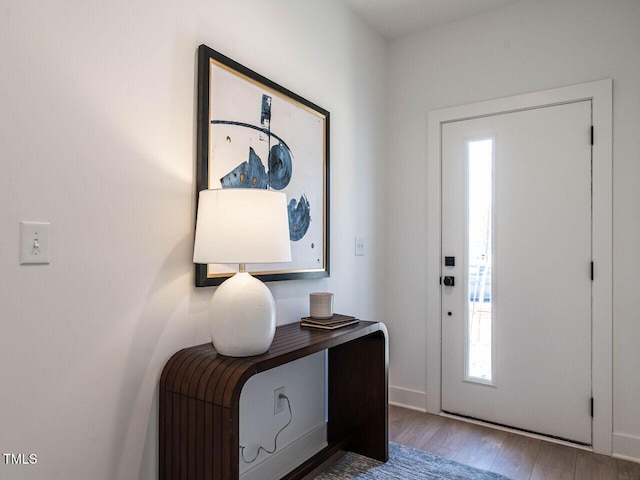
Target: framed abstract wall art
254,133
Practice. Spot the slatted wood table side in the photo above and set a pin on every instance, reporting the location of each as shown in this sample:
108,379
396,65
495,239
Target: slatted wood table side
200,399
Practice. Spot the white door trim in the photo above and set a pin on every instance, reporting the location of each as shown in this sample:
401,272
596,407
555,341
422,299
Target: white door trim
602,361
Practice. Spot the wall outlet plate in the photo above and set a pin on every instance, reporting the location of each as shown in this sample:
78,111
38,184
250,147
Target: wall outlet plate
278,403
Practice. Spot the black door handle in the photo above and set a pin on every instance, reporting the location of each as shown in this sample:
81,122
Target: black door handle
449,281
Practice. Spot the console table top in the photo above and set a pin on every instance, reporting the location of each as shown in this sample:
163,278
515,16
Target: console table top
201,373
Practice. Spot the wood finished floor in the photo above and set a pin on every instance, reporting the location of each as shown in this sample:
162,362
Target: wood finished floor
515,456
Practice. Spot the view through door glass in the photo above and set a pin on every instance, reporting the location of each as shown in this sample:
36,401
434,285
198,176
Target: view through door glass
479,206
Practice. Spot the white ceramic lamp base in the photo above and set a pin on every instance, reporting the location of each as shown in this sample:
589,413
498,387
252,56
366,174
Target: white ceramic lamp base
243,317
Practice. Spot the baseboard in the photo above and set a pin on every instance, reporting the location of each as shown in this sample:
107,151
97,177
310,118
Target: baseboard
289,457
411,399
626,447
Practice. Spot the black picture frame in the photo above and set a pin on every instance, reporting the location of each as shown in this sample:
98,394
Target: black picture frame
225,85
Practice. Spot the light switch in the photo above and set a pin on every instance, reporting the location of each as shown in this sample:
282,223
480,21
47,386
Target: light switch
34,242
359,246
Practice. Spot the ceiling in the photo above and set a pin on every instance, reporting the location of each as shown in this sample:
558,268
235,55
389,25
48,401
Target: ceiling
395,18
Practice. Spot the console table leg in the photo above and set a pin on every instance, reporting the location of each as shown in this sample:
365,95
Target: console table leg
358,395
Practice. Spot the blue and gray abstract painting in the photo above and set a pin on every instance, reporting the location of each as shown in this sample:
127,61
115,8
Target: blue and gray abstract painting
252,173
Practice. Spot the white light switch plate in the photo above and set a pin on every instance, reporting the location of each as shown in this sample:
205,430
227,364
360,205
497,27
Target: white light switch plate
359,246
34,242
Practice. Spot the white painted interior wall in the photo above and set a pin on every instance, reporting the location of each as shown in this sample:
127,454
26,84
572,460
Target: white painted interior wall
97,136
530,46
306,433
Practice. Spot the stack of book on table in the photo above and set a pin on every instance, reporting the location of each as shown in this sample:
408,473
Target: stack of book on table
331,323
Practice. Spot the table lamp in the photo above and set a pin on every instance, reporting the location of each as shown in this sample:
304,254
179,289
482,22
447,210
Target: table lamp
241,226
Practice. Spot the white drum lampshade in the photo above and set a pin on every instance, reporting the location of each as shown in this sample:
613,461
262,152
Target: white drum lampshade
242,226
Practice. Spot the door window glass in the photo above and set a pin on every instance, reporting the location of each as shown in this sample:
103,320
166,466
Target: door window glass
479,228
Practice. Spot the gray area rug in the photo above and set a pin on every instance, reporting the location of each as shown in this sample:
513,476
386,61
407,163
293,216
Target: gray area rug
405,463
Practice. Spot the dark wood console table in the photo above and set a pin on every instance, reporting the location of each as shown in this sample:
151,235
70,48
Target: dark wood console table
200,396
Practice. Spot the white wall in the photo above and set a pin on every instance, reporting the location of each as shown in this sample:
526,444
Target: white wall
97,136
306,430
530,46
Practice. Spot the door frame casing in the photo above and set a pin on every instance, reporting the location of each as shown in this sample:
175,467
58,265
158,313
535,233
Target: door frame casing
600,92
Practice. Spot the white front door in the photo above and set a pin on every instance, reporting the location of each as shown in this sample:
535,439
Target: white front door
516,293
